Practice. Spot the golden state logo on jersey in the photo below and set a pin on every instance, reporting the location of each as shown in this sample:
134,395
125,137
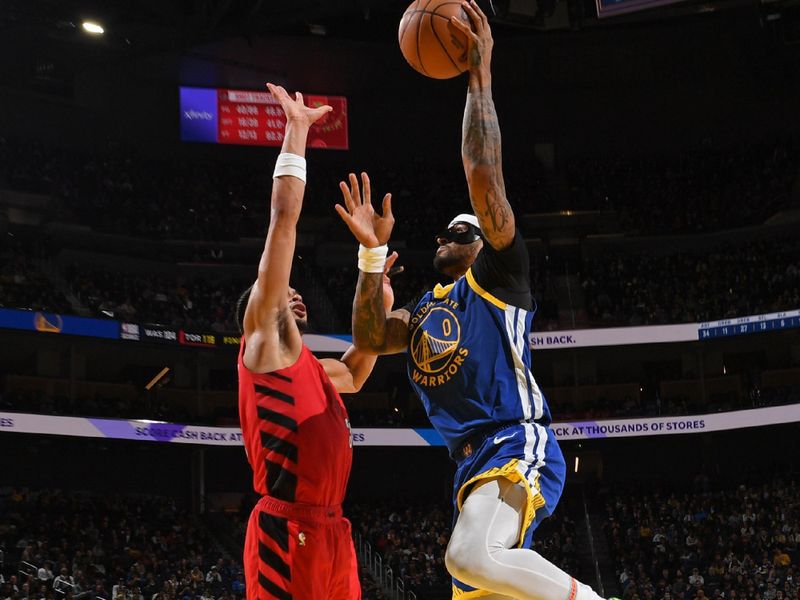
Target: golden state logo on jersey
434,345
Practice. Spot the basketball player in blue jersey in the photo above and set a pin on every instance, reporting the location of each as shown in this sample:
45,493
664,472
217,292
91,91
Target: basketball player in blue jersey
470,362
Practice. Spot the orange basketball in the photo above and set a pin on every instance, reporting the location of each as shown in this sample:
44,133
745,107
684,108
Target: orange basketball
429,42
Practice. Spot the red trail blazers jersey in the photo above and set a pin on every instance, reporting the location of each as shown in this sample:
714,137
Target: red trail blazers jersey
296,432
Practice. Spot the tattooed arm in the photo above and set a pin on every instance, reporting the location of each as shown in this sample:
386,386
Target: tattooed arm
480,139
375,330
350,372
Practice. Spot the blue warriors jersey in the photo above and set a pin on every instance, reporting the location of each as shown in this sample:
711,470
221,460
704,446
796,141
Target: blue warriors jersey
469,358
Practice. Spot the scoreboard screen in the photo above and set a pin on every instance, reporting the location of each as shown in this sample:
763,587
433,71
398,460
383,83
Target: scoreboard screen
756,324
254,118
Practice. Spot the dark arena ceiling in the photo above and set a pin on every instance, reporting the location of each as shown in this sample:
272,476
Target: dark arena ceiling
158,25
42,44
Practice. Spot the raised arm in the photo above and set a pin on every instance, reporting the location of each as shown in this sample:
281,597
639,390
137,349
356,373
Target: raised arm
375,330
273,339
480,137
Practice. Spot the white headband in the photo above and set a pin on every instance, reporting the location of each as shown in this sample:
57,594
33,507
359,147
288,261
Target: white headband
465,218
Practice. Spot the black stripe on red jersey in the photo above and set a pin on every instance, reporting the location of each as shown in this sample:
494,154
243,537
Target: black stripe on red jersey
267,391
281,377
275,528
276,418
270,558
279,445
281,483
273,588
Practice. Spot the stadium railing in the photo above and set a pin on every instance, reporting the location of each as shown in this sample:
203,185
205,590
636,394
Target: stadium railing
394,586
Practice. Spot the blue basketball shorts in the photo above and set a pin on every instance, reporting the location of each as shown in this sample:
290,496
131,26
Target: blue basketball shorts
524,453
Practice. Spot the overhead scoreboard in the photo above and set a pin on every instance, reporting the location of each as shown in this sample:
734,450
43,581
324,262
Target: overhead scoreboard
254,118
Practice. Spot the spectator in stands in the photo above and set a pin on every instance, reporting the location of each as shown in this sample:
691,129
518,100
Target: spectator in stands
237,586
411,539
94,536
214,579
698,189
695,190
63,582
696,580
45,573
745,526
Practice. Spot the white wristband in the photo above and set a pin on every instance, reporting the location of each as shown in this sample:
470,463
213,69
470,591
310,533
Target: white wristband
372,260
291,165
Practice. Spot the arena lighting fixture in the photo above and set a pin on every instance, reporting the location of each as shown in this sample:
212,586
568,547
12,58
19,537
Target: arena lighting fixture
577,463
93,28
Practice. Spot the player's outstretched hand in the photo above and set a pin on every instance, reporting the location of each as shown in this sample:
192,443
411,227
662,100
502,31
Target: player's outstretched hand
295,109
369,228
389,270
479,35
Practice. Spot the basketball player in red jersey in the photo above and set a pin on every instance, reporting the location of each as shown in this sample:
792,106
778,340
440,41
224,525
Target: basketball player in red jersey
295,427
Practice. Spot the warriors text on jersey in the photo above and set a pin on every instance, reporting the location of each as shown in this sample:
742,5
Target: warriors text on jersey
296,432
469,358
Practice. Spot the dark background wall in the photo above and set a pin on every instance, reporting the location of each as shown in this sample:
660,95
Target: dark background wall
622,89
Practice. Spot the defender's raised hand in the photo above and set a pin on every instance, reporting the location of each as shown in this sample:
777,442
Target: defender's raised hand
295,109
369,228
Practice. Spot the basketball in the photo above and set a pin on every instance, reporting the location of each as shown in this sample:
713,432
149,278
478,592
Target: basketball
429,42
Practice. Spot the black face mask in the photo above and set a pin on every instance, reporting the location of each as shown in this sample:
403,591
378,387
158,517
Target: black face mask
469,235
